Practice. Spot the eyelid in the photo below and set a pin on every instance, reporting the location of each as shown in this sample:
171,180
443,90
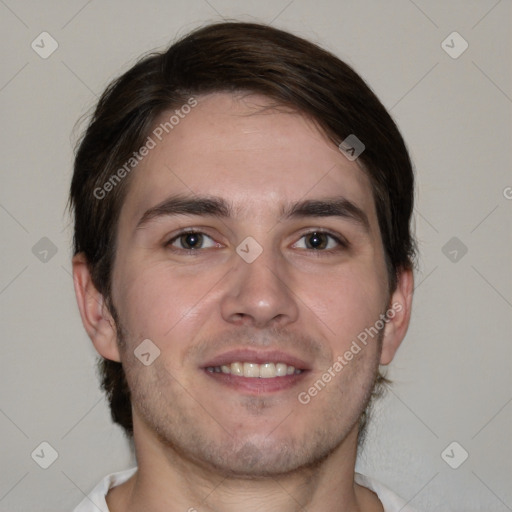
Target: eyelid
195,230
337,237
342,242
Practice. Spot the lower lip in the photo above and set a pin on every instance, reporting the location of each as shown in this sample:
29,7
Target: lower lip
256,385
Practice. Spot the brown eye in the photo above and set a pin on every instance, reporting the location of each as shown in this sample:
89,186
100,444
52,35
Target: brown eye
191,240
317,240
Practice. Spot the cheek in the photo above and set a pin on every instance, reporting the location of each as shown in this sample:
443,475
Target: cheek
157,301
346,303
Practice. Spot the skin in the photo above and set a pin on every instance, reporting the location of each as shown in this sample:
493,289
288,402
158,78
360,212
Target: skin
199,442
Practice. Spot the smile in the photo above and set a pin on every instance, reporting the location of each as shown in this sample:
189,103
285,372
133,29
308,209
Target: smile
255,370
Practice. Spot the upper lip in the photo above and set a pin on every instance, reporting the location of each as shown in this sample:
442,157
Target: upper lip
256,356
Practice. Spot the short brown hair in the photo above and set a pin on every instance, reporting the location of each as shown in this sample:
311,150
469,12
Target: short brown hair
232,57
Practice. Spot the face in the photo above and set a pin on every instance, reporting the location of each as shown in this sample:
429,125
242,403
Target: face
249,254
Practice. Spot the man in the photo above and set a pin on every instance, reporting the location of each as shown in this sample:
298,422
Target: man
243,264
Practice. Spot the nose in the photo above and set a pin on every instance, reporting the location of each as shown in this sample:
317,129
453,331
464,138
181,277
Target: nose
259,294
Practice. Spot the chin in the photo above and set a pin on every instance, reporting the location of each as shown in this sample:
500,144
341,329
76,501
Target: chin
265,457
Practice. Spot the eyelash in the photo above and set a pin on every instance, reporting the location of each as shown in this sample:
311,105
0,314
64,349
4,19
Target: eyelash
342,243
182,233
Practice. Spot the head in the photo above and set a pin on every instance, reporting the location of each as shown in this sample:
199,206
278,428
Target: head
235,132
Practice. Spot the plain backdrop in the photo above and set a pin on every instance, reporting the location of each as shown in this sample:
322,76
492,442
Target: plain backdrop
452,376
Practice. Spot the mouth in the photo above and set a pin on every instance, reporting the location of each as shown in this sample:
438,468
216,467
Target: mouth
258,372
255,370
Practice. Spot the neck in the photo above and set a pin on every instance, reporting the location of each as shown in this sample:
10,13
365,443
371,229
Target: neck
166,481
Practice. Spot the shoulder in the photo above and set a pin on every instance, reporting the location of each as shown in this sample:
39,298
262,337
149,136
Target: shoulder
95,500
390,501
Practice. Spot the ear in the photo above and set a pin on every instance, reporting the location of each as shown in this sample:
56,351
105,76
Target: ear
399,315
97,320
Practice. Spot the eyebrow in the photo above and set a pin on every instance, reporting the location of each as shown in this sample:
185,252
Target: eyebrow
182,205
332,207
219,207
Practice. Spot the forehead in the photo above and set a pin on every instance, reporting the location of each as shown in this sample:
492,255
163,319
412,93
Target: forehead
241,148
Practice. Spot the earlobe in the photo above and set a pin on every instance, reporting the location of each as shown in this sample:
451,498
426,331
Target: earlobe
399,315
97,320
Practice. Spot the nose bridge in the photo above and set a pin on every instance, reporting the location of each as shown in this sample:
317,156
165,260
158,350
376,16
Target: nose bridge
257,290
266,274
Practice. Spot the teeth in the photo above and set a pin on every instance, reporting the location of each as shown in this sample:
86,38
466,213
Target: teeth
267,370
237,369
281,369
252,370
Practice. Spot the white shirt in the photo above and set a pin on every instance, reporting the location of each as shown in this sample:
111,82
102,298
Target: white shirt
95,501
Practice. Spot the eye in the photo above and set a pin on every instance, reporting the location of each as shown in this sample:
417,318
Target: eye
191,240
318,240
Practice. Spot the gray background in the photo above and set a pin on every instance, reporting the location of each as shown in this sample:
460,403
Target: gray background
453,373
